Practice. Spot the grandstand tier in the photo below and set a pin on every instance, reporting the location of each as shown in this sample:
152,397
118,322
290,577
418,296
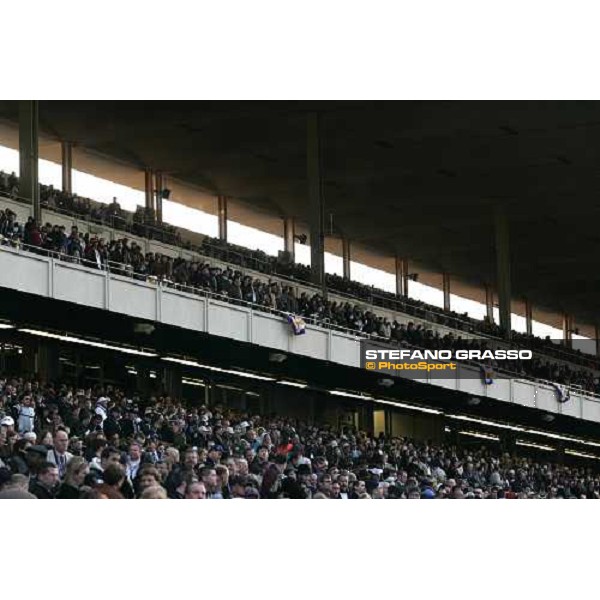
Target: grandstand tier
139,361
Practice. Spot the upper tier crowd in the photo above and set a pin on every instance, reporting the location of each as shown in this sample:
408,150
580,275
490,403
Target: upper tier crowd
128,257
59,441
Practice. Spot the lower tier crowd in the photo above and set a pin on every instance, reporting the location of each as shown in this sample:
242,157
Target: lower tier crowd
58,441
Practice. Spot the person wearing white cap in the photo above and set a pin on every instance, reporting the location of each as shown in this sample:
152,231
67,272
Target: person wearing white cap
102,407
31,437
8,423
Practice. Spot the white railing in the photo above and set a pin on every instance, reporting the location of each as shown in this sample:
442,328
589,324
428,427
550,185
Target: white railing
201,310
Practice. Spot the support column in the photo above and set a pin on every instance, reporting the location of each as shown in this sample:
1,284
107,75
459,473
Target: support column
365,417
597,339
222,214
401,276
149,192
503,269
315,201
528,317
67,166
159,185
567,330
346,257
47,361
446,289
172,377
29,187
289,244
489,302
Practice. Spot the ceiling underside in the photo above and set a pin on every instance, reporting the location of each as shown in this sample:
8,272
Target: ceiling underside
420,179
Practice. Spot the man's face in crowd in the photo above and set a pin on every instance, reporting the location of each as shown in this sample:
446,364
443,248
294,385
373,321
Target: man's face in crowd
457,493
135,452
263,454
210,479
147,480
196,491
191,459
114,458
343,481
163,469
61,442
242,466
250,455
326,483
49,478
335,489
79,476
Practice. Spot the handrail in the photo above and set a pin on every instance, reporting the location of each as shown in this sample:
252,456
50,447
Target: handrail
128,271
407,306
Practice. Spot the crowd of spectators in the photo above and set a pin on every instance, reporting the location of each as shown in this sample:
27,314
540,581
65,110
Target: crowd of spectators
57,441
127,257
144,224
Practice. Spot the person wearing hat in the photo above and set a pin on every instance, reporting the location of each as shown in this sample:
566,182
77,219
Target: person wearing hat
102,408
111,424
7,423
214,456
31,437
35,456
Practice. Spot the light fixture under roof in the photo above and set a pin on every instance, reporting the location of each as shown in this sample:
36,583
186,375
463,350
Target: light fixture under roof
296,384
193,382
424,409
197,365
350,395
532,445
581,454
547,434
75,340
477,434
483,422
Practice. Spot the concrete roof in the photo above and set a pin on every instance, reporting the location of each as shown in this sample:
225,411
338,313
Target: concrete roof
419,179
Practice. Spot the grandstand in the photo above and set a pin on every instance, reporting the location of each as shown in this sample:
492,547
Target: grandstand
214,370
